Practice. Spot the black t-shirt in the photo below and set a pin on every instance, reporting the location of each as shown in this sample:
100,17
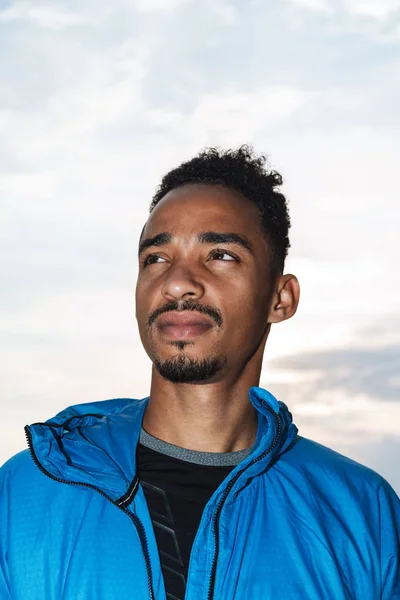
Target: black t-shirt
176,492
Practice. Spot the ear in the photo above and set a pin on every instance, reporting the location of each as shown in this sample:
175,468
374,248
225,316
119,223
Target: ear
285,299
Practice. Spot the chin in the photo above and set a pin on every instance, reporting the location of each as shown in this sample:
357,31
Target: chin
182,368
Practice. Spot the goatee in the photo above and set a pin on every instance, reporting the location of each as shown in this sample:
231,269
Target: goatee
182,369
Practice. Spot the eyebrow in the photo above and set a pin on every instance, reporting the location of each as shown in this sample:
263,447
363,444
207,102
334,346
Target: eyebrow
158,240
206,237
215,237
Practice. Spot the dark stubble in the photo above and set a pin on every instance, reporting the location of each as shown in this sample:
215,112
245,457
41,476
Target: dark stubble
183,369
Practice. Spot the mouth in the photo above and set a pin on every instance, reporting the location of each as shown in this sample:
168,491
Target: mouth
182,325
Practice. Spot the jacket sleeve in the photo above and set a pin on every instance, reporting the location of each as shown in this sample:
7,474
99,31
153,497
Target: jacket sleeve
389,506
5,593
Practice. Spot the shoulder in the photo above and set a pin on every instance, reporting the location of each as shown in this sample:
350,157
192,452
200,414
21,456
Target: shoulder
20,468
327,472
21,482
18,471
311,455
101,408
18,463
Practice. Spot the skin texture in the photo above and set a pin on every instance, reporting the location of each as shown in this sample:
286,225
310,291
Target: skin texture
235,283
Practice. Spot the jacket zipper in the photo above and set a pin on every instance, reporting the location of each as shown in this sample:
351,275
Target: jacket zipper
122,503
217,514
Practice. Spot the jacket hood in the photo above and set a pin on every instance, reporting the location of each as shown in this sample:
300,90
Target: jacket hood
95,444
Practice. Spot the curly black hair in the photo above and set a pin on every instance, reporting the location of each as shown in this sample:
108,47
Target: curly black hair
246,172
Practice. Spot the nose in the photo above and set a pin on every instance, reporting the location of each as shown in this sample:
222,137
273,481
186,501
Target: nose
182,284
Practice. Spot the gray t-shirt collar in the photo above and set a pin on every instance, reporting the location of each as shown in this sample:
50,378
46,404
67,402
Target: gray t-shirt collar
211,459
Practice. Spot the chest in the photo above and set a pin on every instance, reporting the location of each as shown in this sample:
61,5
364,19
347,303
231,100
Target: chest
271,546
263,546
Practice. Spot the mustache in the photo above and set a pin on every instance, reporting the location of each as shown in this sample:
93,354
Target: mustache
213,313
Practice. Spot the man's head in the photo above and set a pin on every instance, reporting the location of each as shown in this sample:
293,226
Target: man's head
245,172
211,258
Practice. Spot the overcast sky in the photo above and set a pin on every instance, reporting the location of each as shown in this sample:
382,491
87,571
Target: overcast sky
99,99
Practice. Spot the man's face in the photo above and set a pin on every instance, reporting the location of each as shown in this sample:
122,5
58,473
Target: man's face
204,285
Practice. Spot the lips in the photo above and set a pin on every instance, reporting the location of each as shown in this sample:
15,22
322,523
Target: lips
184,324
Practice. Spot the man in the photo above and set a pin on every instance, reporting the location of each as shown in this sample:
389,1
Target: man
204,490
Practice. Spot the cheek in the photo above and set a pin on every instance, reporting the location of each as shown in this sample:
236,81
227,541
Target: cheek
142,303
147,290
245,313
138,301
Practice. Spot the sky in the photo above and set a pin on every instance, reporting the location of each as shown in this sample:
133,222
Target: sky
99,99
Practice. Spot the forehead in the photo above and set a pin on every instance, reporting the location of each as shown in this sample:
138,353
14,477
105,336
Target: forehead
194,208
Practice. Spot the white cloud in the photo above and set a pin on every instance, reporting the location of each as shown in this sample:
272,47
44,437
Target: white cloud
45,15
356,412
335,416
378,9
312,5
225,11
353,279
223,111
151,6
229,117
35,185
71,313
101,91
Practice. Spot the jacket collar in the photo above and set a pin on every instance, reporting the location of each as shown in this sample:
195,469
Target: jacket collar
95,444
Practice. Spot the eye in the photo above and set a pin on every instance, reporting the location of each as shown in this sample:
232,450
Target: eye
222,255
153,259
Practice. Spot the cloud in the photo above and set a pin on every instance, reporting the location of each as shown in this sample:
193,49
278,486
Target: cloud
42,184
312,5
377,9
221,111
225,11
229,116
367,370
44,15
98,94
150,6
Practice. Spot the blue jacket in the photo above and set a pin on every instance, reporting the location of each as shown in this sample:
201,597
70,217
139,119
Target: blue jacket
294,520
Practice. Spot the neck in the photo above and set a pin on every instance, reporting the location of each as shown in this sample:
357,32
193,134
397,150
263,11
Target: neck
214,417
